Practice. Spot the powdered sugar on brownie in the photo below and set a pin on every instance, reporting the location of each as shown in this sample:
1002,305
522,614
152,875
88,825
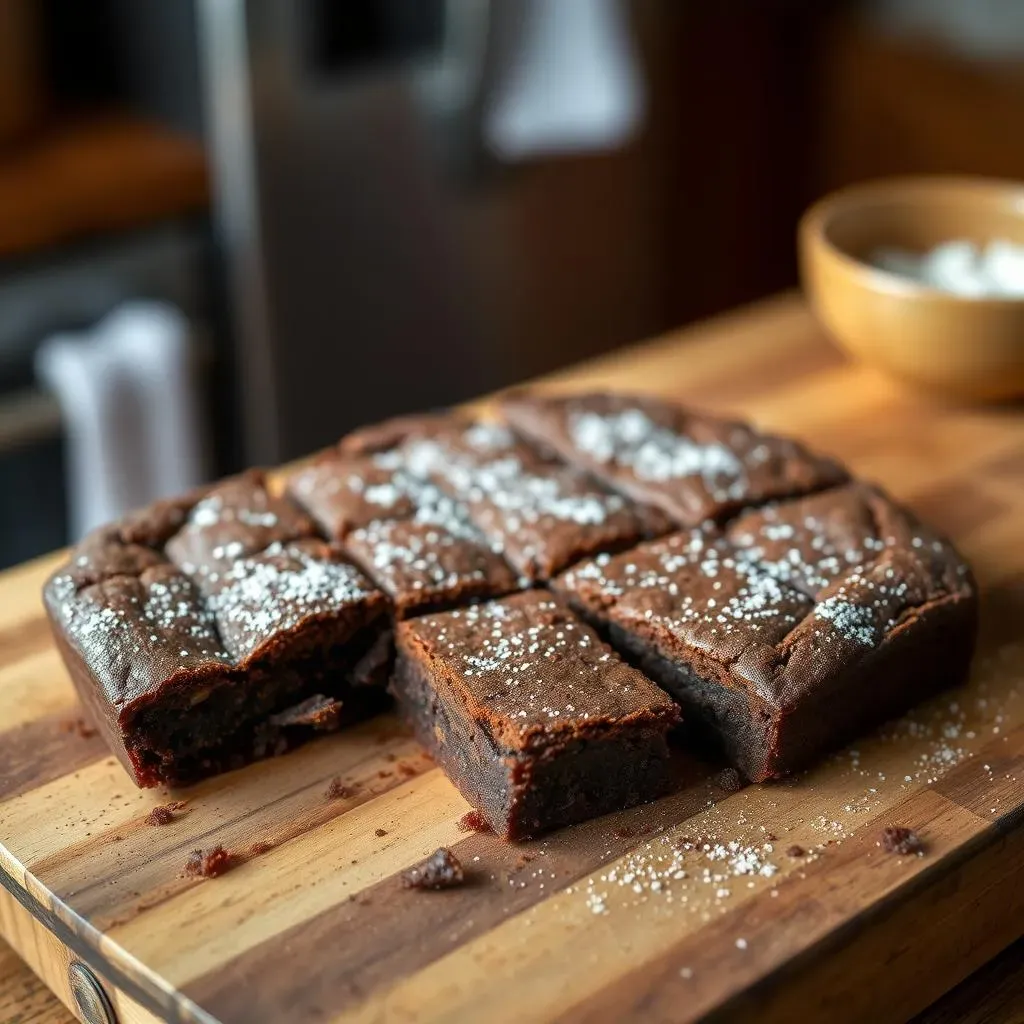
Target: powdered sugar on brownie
280,589
631,438
531,662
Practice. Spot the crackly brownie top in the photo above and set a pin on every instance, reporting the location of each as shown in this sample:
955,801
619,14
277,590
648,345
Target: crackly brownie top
345,492
541,515
236,518
420,565
528,670
785,598
813,542
474,480
416,539
694,599
694,467
232,572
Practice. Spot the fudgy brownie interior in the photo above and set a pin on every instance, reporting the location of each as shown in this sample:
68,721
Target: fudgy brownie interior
535,720
232,634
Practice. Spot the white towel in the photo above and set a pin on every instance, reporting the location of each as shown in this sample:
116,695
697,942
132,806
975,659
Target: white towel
129,408
153,342
572,84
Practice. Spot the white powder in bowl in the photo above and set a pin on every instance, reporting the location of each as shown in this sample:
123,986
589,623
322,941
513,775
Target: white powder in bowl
961,268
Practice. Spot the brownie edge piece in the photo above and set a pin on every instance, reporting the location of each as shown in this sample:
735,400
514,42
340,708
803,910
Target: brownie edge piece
257,638
805,624
692,466
536,721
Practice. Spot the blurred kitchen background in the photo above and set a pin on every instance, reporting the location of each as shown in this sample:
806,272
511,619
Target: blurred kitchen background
232,229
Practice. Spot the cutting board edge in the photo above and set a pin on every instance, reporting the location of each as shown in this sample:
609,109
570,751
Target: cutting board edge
77,939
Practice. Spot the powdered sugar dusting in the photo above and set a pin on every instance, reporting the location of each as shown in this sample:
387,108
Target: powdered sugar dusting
161,612
631,438
278,590
531,662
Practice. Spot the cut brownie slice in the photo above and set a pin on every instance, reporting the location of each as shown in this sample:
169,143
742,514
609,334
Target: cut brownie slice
541,515
786,652
423,567
191,669
694,467
536,721
343,493
413,538
237,518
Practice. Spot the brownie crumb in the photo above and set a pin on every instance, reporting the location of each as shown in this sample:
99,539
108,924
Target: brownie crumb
441,870
770,837
80,726
380,832
523,859
473,821
902,840
209,863
729,780
164,814
796,851
407,769
624,832
337,790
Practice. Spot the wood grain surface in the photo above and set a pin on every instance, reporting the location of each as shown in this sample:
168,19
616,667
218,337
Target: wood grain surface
627,917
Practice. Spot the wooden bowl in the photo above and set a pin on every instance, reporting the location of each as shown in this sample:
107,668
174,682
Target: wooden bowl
969,348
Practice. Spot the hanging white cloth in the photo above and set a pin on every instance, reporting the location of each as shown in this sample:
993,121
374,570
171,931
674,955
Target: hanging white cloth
130,411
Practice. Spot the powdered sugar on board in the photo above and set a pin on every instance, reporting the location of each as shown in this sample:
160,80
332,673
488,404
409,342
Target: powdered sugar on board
732,849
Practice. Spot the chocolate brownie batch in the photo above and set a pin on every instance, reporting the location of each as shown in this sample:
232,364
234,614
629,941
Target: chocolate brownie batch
546,598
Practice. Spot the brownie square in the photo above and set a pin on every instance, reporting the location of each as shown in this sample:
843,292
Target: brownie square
536,721
236,518
423,567
693,467
541,515
415,540
802,625
193,668
343,493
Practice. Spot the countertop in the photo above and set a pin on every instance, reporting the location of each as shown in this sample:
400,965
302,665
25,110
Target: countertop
994,993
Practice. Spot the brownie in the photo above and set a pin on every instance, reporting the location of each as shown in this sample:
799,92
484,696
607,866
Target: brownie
785,606
795,628
694,467
537,721
237,518
191,654
424,567
343,492
415,540
541,515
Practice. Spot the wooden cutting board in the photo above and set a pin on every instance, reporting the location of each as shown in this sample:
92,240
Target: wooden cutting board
700,904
